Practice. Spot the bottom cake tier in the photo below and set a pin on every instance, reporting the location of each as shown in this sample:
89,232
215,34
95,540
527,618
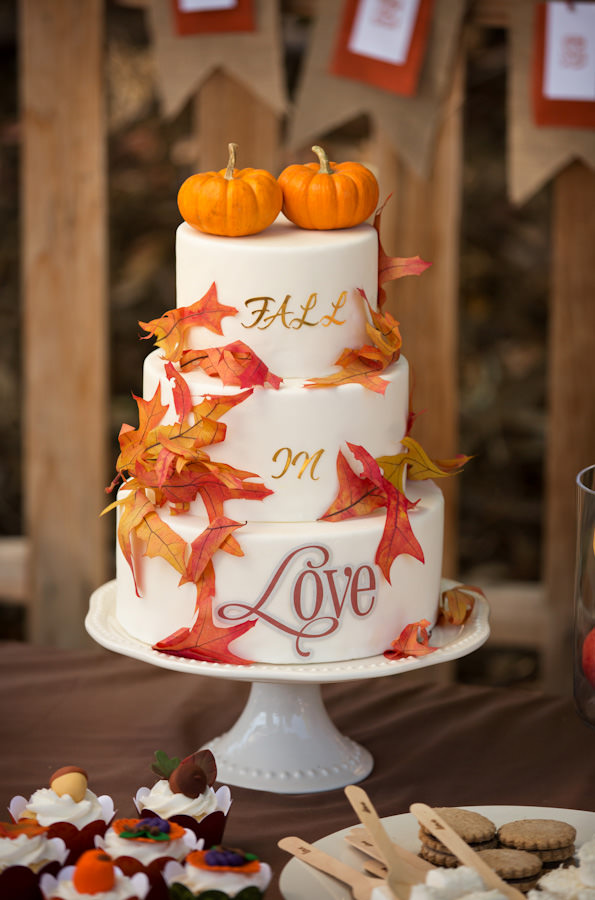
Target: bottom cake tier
313,589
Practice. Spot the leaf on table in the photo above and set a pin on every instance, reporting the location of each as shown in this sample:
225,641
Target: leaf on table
206,641
234,364
170,329
414,640
457,604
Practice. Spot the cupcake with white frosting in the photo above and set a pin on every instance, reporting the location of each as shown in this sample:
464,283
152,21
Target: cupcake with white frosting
68,809
25,852
27,844
147,843
220,869
185,794
95,877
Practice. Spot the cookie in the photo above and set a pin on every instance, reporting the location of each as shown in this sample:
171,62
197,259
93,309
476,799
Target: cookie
428,840
537,834
476,830
471,826
517,867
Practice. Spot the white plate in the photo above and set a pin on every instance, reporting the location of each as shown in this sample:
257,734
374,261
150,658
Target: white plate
301,882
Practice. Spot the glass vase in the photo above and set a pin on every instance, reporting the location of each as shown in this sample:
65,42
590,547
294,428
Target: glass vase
584,597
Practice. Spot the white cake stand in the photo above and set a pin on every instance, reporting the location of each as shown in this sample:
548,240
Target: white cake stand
284,740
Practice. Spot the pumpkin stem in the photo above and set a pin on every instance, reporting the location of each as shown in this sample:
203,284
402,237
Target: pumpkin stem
325,168
231,161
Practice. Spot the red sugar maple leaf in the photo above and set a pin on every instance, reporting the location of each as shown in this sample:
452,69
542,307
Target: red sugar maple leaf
414,640
360,494
392,267
205,641
234,364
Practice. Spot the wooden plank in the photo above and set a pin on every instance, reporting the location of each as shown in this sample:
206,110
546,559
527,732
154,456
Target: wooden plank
65,309
423,217
227,111
15,558
518,614
571,425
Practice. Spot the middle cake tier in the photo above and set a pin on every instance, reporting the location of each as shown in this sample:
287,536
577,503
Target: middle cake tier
290,437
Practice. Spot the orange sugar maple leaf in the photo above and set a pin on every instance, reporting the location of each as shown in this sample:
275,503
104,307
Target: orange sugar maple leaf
234,364
133,440
383,332
206,641
414,640
170,329
218,535
356,366
457,604
417,465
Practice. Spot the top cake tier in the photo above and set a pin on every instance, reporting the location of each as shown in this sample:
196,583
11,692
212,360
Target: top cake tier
296,291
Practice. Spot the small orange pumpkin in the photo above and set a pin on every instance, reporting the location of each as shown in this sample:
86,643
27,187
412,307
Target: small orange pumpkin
231,202
94,872
329,195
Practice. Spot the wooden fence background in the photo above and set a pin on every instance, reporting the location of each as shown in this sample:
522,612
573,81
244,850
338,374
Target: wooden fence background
64,553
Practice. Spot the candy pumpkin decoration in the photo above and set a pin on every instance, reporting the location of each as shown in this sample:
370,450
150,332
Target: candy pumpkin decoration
329,195
231,202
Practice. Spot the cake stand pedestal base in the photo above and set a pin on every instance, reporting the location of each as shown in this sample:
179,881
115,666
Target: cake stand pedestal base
285,742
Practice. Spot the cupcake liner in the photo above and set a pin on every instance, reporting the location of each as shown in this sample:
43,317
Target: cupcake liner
21,882
210,829
77,840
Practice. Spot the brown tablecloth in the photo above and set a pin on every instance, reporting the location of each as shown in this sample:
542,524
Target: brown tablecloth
440,744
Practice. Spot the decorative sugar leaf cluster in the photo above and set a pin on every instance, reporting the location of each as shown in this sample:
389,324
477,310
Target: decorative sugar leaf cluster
165,460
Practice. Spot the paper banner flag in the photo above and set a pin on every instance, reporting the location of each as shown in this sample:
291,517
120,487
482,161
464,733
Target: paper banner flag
217,16
535,153
325,101
182,63
383,43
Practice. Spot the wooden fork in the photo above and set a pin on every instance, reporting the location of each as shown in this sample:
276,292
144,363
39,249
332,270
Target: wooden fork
362,886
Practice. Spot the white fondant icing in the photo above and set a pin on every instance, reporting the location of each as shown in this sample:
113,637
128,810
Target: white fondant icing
327,582
312,587
319,268
272,433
